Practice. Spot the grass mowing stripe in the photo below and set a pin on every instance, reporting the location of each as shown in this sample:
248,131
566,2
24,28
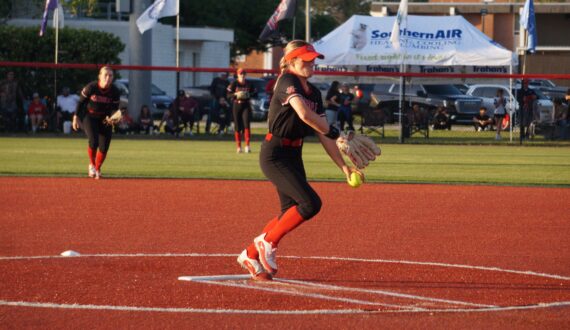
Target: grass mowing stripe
505,165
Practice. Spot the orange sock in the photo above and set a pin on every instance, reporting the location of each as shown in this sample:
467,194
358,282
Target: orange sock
251,250
238,139
91,152
289,221
100,159
246,136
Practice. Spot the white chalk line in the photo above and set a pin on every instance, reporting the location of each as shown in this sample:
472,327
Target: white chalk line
273,312
210,255
216,278
307,294
344,311
385,293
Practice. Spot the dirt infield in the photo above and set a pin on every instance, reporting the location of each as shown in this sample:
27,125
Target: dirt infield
428,256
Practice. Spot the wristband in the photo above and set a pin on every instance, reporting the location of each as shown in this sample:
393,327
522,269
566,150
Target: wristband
333,133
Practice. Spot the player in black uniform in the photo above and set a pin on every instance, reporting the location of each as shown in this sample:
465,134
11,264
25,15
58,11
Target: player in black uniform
240,91
296,110
98,100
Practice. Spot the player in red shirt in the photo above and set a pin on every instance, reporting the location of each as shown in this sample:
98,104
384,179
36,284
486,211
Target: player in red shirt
37,110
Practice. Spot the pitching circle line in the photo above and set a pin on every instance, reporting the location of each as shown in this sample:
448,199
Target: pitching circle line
287,312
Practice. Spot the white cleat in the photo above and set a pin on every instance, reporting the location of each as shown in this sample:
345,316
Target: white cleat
251,265
266,254
98,175
92,171
238,150
247,149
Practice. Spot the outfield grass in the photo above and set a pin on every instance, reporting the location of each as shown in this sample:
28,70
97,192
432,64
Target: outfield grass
159,158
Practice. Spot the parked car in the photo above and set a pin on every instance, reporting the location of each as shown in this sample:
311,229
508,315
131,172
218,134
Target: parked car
160,101
487,92
461,107
548,88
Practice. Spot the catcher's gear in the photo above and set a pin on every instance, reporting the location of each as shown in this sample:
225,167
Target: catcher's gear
242,95
114,119
360,149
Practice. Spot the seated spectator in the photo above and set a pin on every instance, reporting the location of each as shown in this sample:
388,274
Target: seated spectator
170,119
482,121
66,104
146,124
185,107
441,120
37,111
126,125
418,117
561,118
344,100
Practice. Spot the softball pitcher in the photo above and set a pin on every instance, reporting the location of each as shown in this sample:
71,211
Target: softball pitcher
296,110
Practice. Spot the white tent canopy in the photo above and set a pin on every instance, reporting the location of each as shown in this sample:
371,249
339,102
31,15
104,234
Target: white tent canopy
427,41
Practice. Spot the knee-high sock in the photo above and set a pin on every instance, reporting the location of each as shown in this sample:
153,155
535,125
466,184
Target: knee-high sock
238,139
289,221
247,135
251,250
99,160
91,153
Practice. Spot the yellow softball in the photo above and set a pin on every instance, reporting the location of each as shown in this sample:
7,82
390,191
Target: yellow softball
355,180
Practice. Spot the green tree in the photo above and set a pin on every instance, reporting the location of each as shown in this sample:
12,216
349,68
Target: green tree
22,44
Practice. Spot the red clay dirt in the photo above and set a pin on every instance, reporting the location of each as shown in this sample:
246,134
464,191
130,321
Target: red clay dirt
427,227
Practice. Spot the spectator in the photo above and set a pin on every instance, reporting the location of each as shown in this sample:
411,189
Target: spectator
146,124
66,105
11,101
171,123
441,120
500,111
561,117
481,121
185,108
37,112
218,90
345,107
126,125
332,103
526,99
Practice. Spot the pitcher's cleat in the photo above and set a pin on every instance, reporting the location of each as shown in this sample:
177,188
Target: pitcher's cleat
98,175
91,172
266,254
251,265
263,277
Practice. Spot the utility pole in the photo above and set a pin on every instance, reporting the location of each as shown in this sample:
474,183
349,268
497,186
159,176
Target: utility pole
308,20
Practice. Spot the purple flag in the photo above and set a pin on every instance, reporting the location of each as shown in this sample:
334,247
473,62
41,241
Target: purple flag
285,10
50,5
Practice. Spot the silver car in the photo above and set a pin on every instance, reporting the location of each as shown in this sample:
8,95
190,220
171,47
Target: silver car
544,107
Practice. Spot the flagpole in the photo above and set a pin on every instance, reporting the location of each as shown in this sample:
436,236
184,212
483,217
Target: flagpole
178,51
308,20
56,57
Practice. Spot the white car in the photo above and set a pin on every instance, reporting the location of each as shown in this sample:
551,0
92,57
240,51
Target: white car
544,107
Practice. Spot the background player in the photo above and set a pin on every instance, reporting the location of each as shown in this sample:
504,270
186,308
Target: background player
98,100
296,110
240,92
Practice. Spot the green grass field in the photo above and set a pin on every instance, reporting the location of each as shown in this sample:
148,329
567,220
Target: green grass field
161,158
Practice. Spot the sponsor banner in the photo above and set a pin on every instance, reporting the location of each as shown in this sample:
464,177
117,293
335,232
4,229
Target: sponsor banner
425,40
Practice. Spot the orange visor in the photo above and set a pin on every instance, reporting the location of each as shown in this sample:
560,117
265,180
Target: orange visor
307,53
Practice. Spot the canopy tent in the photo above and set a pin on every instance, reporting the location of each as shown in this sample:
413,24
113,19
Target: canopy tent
427,41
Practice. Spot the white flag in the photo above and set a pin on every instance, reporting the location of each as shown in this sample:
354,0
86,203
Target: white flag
400,23
160,8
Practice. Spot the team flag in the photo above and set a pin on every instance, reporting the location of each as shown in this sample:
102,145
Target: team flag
285,10
159,9
400,23
50,5
528,22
